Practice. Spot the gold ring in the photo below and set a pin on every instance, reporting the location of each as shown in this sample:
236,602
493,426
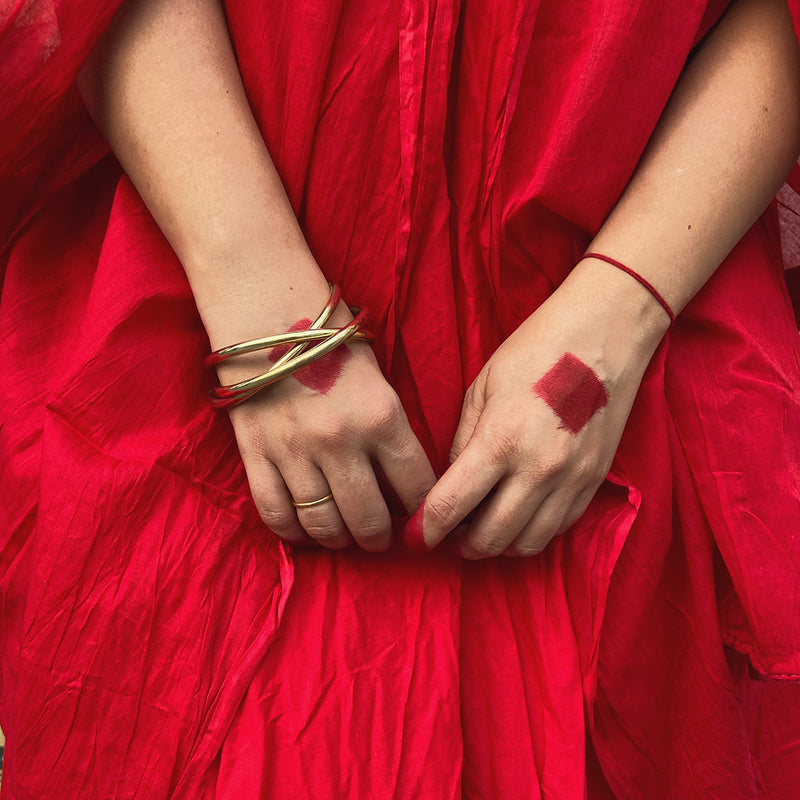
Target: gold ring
310,503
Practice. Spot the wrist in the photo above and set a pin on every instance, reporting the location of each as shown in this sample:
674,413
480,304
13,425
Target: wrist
614,323
310,348
630,309
242,296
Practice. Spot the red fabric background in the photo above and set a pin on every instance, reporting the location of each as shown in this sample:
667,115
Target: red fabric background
448,162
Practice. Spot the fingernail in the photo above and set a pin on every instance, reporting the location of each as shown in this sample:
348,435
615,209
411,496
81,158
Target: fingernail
412,533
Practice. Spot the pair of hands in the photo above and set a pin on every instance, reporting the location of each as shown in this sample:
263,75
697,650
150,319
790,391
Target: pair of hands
538,431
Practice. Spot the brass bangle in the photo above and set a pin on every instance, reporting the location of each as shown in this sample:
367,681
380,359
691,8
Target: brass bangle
252,345
299,355
278,340
239,392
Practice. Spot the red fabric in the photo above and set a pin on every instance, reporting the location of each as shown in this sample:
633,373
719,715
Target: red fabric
449,162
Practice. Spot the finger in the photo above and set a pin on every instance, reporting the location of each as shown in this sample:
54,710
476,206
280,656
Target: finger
544,525
578,508
500,520
273,501
470,414
322,520
470,478
360,502
405,465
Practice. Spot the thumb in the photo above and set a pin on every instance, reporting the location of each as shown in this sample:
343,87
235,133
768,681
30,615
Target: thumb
470,478
470,414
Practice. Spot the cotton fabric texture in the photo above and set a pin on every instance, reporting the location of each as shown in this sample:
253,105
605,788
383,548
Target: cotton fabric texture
449,162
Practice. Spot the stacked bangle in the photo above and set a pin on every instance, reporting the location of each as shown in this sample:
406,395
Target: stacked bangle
299,355
647,285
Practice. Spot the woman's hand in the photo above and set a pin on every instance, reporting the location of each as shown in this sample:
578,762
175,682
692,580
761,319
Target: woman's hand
729,136
541,423
164,86
319,432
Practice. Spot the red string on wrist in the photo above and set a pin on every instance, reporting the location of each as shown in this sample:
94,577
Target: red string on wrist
647,285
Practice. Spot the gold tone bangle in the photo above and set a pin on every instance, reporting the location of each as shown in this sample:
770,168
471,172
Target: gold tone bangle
239,392
298,356
278,340
252,345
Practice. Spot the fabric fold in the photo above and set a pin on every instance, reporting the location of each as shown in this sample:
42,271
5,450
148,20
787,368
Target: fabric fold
448,163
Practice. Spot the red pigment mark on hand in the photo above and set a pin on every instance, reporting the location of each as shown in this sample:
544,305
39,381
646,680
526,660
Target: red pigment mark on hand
412,533
573,391
320,375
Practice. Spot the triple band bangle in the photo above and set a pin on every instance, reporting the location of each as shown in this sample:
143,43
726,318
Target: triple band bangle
298,355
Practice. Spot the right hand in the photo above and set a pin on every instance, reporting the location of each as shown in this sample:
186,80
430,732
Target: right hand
299,443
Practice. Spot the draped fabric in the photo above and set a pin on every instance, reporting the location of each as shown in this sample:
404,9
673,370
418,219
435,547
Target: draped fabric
448,162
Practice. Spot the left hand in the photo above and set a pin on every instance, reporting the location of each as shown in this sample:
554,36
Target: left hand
541,423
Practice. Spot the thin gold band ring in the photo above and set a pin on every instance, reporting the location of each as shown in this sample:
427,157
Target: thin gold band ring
310,503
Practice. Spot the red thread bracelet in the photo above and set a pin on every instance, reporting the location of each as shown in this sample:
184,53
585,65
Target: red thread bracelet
647,285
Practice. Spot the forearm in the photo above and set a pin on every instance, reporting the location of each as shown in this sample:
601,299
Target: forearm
727,140
164,87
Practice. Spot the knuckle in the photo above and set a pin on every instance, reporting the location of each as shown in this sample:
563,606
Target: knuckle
489,546
330,432
583,500
276,519
505,522
528,549
533,542
553,461
370,529
320,524
583,472
323,531
385,413
588,472
578,509
500,444
373,544
603,468
442,511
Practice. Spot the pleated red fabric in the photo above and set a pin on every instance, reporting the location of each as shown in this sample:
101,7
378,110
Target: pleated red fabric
448,161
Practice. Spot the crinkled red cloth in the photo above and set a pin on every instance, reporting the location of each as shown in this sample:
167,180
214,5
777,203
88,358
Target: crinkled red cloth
449,161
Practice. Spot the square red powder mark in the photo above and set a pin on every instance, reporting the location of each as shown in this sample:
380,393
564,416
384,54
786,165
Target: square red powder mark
319,375
573,391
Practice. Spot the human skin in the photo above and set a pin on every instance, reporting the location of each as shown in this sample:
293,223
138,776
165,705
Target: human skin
164,87
725,143
721,150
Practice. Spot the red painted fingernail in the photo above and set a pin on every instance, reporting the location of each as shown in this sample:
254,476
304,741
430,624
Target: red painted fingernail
412,533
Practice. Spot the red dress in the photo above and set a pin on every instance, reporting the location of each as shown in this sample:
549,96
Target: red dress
448,161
